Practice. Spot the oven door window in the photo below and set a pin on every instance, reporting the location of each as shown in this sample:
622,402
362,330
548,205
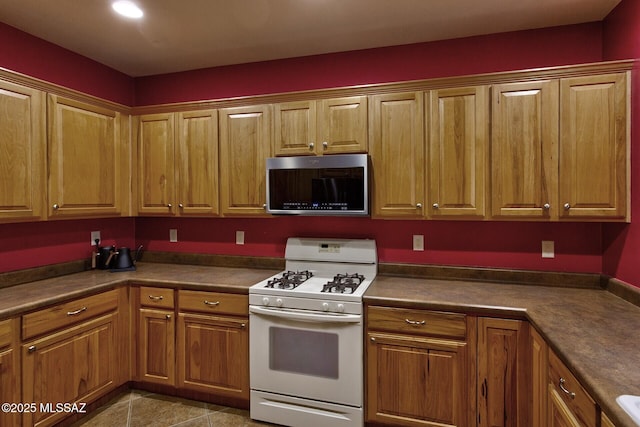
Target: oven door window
304,352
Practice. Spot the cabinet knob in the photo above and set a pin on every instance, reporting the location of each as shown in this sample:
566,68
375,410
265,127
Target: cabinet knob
373,339
567,206
180,205
243,325
169,205
325,144
436,206
56,206
168,316
311,145
419,205
264,206
546,206
31,349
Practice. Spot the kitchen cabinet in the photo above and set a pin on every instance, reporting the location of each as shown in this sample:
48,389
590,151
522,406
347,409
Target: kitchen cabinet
504,378
22,153
568,403
420,369
524,146
245,144
328,126
539,368
213,343
10,387
594,147
156,336
458,152
397,155
88,159
178,163
73,353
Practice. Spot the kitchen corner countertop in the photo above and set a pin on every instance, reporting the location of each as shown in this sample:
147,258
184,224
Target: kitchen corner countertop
595,333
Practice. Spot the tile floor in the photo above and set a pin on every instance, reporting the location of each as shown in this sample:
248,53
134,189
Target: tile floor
136,408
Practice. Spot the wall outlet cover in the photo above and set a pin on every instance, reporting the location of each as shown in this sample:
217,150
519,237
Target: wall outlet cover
239,237
95,235
418,242
548,249
173,234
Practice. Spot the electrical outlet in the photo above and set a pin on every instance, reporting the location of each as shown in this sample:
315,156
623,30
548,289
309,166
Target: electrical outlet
418,242
548,250
95,235
173,235
239,237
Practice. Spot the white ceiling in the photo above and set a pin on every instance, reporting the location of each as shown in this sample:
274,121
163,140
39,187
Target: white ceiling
179,35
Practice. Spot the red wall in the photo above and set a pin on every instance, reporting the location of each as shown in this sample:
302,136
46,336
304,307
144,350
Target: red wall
493,244
621,243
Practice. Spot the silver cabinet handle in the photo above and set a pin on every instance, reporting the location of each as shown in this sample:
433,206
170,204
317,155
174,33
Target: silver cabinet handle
31,349
436,206
373,339
415,322
243,325
169,205
567,206
311,145
546,206
571,394
419,205
180,205
264,206
325,144
76,312
56,206
168,316
156,297
211,303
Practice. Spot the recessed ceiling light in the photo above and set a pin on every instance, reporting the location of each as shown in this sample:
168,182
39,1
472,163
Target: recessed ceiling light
127,8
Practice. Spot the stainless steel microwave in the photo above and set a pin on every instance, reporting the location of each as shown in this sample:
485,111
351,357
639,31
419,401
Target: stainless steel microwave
318,185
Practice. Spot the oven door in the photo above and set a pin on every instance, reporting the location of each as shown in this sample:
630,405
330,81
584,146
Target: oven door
307,354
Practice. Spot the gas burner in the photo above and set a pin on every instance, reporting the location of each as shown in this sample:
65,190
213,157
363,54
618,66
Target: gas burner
343,283
289,279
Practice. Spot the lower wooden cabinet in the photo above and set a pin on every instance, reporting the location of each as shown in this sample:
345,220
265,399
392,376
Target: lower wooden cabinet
77,364
9,370
213,343
423,376
156,346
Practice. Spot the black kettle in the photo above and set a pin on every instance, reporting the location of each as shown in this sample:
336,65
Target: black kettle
104,256
123,260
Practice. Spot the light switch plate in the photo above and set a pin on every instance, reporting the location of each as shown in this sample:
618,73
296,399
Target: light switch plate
239,237
548,250
418,242
95,235
173,234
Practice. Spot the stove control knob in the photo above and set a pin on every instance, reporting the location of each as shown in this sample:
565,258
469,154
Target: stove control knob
265,301
340,308
325,306
279,302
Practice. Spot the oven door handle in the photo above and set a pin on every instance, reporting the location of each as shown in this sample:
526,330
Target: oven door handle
306,317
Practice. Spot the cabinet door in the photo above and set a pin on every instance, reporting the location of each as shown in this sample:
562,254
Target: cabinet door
524,145
22,153
84,159
213,355
156,346
458,151
415,381
594,147
197,163
9,370
156,164
342,125
397,155
539,364
295,128
559,414
504,380
74,365
245,144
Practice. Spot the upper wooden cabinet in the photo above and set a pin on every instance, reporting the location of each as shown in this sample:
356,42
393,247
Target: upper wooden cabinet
88,166
458,151
22,153
594,148
329,126
178,163
245,144
398,155
524,147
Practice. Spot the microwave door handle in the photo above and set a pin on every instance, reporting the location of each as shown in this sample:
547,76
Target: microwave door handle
306,317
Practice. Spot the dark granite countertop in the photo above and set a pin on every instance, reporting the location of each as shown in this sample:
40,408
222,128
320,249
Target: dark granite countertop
593,331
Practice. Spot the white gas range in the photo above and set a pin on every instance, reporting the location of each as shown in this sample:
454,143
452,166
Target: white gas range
305,329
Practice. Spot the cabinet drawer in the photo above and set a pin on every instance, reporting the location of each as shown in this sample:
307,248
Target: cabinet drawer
156,297
5,333
68,313
417,322
573,395
213,302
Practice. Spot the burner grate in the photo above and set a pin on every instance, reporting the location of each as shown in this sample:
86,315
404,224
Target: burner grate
289,279
343,283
